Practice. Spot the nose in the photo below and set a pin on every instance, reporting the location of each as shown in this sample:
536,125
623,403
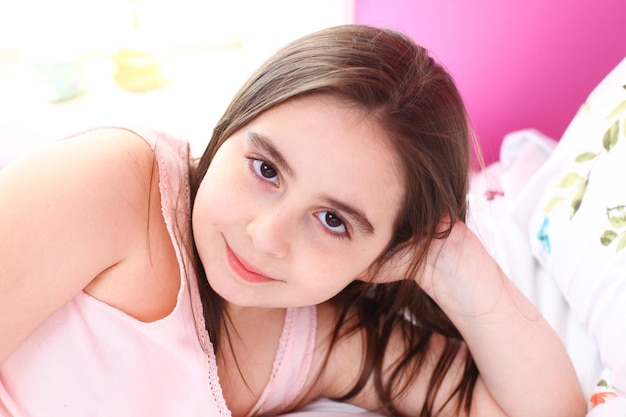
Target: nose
269,231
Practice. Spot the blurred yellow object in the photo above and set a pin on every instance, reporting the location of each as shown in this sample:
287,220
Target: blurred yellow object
137,70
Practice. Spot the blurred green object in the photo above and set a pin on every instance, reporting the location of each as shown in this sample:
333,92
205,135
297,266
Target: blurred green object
56,81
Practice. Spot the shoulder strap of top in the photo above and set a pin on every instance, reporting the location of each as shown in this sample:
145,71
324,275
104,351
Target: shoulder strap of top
292,362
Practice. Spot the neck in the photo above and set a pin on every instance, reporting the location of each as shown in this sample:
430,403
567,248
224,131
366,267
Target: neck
247,324
244,314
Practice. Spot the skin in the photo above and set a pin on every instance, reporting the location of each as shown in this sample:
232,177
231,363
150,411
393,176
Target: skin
277,226
282,221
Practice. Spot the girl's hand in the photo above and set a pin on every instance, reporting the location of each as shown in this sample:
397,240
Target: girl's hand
454,273
445,259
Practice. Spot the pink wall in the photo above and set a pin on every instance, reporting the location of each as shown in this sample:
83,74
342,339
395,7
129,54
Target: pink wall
517,63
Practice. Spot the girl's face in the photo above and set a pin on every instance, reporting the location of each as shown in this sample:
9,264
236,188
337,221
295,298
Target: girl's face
297,204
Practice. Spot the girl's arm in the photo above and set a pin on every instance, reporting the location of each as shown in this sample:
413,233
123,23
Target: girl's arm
523,365
524,368
67,214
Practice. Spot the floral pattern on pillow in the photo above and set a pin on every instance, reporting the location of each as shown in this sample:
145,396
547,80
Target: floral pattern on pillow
602,393
578,239
617,218
573,185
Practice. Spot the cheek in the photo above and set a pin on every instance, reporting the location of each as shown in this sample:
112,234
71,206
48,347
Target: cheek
220,189
201,213
322,287
336,269
209,209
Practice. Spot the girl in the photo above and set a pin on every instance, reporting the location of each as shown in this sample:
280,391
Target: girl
317,249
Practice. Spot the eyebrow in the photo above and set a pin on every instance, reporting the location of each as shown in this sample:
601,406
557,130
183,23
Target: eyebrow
265,144
362,224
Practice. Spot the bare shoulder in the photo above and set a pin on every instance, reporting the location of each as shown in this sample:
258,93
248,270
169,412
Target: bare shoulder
69,212
83,158
102,174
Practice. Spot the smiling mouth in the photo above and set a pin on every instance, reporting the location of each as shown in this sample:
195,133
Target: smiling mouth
240,268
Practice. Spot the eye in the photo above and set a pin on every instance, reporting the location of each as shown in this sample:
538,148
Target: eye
265,171
333,223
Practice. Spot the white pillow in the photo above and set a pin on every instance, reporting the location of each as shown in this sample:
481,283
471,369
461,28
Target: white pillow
329,408
575,213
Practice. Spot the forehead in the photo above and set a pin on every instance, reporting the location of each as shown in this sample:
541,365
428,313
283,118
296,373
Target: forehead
338,150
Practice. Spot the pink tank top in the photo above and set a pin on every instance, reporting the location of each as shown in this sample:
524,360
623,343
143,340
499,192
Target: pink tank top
91,359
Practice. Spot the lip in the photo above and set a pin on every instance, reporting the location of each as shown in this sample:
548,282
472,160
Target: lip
242,269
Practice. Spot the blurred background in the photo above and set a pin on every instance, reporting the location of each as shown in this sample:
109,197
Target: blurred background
175,64
165,64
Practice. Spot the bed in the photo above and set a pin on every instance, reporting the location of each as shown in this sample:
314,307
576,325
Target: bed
553,214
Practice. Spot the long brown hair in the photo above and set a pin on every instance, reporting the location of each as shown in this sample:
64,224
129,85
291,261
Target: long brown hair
412,97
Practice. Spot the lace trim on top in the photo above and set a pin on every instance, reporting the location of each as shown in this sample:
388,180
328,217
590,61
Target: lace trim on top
292,362
173,189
